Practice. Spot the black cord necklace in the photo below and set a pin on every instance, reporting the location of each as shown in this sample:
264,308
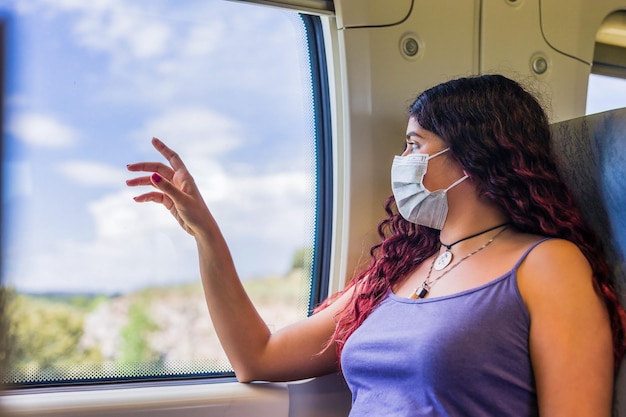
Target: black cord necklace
423,290
446,256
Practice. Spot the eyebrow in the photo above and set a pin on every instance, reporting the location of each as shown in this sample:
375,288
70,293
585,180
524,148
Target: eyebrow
411,134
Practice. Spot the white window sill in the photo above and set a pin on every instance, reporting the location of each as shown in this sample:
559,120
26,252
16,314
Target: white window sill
326,396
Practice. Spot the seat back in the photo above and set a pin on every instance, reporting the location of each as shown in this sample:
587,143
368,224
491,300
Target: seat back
591,155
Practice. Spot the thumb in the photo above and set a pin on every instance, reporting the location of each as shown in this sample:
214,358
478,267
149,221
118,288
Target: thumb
164,185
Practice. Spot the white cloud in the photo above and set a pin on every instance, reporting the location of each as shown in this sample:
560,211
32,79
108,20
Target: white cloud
135,245
42,130
203,40
93,173
119,219
274,209
196,131
122,31
112,26
100,266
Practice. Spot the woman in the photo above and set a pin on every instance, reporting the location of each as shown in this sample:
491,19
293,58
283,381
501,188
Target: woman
488,296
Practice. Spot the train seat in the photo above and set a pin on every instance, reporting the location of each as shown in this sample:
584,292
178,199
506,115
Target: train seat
591,153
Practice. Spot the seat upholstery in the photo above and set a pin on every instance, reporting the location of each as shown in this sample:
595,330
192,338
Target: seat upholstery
591,154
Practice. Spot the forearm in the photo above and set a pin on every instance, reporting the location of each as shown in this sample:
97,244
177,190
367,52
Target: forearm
240,329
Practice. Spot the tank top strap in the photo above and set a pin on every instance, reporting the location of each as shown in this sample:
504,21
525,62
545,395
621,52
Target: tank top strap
527,251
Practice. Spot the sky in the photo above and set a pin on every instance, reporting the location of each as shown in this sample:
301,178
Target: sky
605,93
89,83
225,84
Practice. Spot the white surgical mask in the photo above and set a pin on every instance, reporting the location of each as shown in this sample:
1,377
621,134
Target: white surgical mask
415,203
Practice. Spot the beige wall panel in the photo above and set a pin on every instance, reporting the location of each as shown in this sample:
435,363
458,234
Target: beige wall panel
380,84
571,26
511,40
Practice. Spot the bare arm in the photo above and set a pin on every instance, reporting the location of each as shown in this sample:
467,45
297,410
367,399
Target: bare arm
255,353
570,335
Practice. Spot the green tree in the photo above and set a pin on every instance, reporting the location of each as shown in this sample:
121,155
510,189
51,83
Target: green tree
5,339
302,259
44,337
136,349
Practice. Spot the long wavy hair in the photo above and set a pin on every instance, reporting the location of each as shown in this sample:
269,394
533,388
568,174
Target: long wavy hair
499,133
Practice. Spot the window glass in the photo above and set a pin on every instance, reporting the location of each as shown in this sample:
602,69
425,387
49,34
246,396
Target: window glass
99,287
605,93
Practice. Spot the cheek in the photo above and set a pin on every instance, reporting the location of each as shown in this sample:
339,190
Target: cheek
434,180
441,175
429,181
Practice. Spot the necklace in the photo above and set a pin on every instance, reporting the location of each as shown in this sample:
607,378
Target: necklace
423,289
446,256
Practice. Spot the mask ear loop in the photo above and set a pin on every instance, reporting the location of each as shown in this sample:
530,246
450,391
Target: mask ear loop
438,153
457,182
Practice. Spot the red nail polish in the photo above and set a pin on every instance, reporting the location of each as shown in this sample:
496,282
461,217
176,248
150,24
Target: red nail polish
156,177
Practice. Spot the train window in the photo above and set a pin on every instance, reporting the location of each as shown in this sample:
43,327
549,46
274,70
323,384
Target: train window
605,93
99,288
607,83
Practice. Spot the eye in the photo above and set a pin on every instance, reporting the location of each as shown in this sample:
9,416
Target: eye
412,147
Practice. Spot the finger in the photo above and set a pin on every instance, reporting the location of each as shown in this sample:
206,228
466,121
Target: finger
159,167
155,197
152,196
171,156
139,181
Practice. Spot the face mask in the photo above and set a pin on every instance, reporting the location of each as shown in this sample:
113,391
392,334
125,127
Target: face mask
415,203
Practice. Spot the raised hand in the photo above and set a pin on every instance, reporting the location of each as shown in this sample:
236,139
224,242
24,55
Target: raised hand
177,190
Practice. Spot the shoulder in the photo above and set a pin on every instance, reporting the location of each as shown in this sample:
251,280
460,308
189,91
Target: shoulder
553,260
554,255
555,272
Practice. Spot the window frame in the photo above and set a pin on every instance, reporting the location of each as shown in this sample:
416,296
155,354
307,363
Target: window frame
324,160
318,7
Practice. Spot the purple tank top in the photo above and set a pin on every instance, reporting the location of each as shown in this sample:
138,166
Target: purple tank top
465,354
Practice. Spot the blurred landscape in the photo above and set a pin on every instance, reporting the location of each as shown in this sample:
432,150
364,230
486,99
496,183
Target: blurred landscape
157,331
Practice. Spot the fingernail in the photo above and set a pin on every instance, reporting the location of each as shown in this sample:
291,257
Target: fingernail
156,177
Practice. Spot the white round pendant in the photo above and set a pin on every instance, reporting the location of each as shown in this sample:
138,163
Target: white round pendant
443,260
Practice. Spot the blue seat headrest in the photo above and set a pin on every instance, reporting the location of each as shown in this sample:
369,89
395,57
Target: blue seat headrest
591,156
